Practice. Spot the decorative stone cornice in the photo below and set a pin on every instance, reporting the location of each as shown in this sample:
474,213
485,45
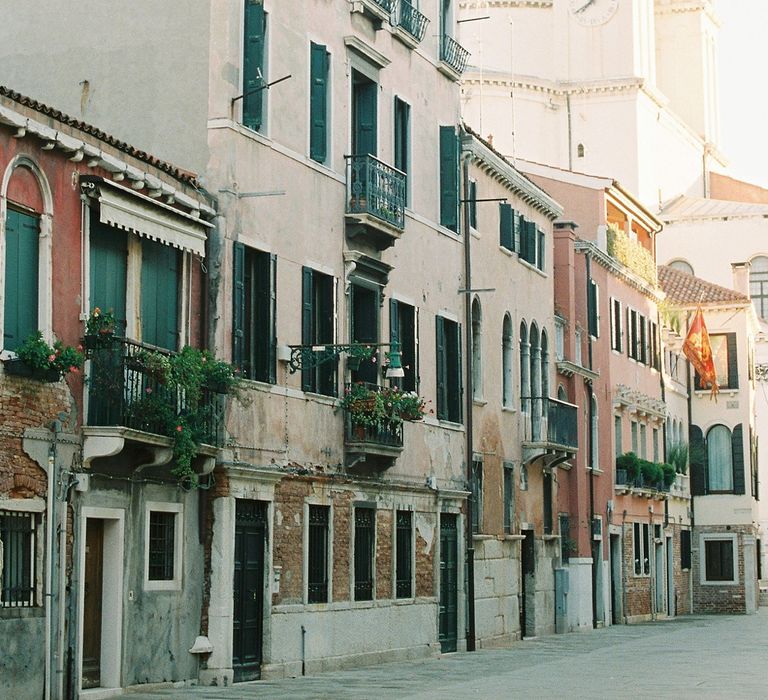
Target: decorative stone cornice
637,402
485,4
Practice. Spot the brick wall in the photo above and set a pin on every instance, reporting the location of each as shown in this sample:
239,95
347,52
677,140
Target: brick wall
384,584
682,577
637,599
425,557
288,538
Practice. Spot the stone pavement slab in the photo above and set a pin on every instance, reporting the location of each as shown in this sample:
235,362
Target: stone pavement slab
687,657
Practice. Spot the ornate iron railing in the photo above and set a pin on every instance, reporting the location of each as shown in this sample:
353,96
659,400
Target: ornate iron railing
375,188
383,433
550,420
411,20
453,53
387,5
124,391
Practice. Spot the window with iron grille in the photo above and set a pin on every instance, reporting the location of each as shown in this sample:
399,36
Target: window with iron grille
162,538
685,549
641,549
509,497
718,558
476,487
317,557
17,535
566,543
404,554
365,523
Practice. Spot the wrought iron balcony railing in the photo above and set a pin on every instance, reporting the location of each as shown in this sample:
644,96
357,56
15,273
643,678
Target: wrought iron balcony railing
375,188
453,53
365,406
387,5
124,389
550,420
411,20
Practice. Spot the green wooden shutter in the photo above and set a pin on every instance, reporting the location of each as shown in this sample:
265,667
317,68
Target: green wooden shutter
394,322
592,309
263,316
737,453
272,331
733,364
108,270
698,460
21,278
253,63
540,258
159,294
449,178
459,381
364,141
307,330
473,204
402,134
517,222
442,383
318,103
506,229
238,310
531,242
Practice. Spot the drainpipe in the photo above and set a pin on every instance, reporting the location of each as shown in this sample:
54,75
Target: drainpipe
623,567
62,568
48,594
468,402
591,452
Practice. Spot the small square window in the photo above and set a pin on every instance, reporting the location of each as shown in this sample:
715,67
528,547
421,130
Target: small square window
163,537
18,545
718,557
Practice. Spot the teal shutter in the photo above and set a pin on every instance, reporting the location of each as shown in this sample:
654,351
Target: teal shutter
697,450
238,307
364,141
459,377
108,270
540,259
253,63
318,103
733,365
521,234
307,330
272,331
159,295
737,454
449,178
530,242
21,278
442,380
506,230
592,309
394,322
473,204
517,222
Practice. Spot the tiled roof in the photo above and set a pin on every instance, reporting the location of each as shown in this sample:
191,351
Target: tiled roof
684,289
178,173
699,208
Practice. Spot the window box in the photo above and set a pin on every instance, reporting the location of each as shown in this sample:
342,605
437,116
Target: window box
18,368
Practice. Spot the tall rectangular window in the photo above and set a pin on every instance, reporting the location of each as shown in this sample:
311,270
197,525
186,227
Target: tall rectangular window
319,61
617,438
403,138
641,549
318,327
527,240
160,287
403,329
449,178
404,554
540,250
317,556
655,440
643,441
254,64
507,217
477,496
364,115
616,325
162,537
724,356
365,528
546,485
635,443
20,302
254,335
365,328
565,538
108,269
18,540
593,313
473,204
449,384
509,497
685,549
718,557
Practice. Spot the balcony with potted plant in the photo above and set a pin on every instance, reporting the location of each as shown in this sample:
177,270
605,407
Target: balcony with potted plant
37,360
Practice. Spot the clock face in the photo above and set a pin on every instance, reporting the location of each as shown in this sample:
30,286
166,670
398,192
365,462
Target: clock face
592,13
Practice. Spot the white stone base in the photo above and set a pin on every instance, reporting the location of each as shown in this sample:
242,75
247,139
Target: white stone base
580,594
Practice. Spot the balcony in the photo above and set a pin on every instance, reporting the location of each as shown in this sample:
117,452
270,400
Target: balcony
375,201
453,57
550,431
411,24
378,11
371,440
130,409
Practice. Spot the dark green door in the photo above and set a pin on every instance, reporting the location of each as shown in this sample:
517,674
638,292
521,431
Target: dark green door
363,115
248,619
108,270
160,276
449,575
21,278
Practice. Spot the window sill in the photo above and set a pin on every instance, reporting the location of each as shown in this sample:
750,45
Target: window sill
550,538
480,537
514,538
479,402
474,233
19,613
533,268
320,398
719,583
508,409
507,251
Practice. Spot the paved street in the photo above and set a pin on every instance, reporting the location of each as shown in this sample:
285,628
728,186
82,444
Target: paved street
689,657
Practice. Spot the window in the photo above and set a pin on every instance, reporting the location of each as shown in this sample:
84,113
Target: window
254,314
473,204
365,302
565,537
19,543
685,549
317,327
449,385
632,334
718,560
528,239
20,306
593,314
508,219
654,356
758,285
641,549
559,338
160,288
643,441
403,329
594,450
643,348
681,266
164,541
108,269
523,477
720,459
541,250
616,330
507,360
477,350
617,439
403,138
319,62
364,118
725,358
449,178
546,485
476,487
525,369
633,428
509,497
404,554
365,528
578,335
254,64
655,442
317,556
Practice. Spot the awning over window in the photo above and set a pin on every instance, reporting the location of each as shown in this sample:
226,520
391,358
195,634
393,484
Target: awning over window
152,220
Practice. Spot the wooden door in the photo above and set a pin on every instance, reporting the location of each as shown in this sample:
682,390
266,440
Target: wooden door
94,558
449,571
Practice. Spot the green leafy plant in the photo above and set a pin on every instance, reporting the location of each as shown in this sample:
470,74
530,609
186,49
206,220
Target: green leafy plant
630,462
156,364
652,472
100,322
631,254
38,355
669,474
677,454
381,406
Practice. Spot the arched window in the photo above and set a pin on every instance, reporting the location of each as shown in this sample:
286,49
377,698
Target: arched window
506,362
580,150
535,382
594,436
525,367
758,285
477,355
544,365
562,394
681,266
720,459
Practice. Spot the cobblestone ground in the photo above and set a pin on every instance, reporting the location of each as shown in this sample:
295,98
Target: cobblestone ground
688,657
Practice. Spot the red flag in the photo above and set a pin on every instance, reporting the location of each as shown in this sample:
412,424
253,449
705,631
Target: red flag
698,350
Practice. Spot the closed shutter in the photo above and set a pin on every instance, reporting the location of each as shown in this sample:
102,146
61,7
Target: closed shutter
459,377
253,63
318,103
307,330
698,460
365,119
643,339
737,452
733,364
520,232
263,304
472,204
108,270
159,294
506,227
394,322
442,380
592,309
238,306
272,369
21,278
540,256
449,178
517,223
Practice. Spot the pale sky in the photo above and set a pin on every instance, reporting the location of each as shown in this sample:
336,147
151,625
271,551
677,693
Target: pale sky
743,58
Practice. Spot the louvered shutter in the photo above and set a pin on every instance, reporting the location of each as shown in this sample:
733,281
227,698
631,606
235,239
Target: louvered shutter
307,329
318,103
459,376
506,230
737,453
442,383
238,305
733,364
698,460
272,368
449,178
21,278
253,63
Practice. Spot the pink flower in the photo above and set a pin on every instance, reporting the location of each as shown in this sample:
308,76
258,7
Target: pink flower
73,369
51,358
79,348
148,389
179,428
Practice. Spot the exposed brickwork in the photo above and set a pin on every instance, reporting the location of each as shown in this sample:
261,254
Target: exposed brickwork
288,538
425,557
384,521
637,589
342,540
682,577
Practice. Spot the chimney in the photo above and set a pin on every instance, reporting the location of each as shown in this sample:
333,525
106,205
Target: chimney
741,277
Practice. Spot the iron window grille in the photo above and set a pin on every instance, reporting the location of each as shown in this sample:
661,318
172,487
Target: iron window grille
317,569
403,542
365,519
162,537
17,534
